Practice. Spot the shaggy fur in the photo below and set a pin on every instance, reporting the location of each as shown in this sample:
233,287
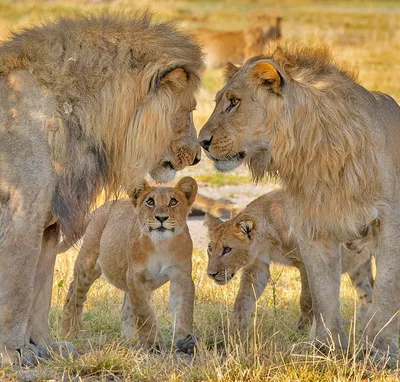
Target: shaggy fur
105,73
86,104
296,113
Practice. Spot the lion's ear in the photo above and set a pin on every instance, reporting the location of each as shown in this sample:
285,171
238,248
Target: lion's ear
265,74
229,71
175,79
135,193
188,186
247,225
211,222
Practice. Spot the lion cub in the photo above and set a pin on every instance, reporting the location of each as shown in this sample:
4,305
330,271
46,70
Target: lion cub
261,234
138,250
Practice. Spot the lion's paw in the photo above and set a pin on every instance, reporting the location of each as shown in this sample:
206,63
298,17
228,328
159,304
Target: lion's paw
186,344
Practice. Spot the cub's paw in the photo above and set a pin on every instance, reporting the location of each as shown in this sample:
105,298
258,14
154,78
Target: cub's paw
186,344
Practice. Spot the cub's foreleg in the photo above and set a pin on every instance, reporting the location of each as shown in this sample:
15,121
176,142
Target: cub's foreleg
252,284
181,305
139,289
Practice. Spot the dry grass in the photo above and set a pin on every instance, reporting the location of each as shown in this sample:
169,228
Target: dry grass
366,35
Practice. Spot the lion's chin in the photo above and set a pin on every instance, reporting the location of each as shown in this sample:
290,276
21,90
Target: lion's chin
164,173
226,165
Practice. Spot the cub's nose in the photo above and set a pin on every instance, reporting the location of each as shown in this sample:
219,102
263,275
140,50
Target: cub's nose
205,144
161,218
196,160
212,275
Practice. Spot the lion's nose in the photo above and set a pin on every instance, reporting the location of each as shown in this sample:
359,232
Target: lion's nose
212,274
196,160
205,144
161,219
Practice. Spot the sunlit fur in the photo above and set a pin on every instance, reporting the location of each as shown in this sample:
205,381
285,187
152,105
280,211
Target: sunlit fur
122,243
270,238
114,112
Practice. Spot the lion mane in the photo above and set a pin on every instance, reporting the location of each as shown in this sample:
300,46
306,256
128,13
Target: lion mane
105,73
334,161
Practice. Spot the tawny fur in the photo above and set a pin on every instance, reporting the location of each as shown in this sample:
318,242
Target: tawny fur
123,243
86,104
261,234
296,113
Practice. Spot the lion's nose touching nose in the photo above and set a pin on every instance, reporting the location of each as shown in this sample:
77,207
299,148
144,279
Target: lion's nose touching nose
205,143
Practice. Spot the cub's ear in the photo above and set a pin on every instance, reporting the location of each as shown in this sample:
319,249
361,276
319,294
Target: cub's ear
229,71
136,193
265,74
247,225
188,186
174,79
211,222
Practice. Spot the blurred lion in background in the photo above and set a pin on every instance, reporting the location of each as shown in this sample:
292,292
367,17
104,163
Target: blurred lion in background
86,104
236,46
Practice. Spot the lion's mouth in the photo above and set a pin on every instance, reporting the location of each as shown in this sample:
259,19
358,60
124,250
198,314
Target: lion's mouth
224,279
161,229
229,163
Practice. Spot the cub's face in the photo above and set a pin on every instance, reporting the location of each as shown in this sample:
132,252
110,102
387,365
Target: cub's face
162,211
184,149
229,247
237,131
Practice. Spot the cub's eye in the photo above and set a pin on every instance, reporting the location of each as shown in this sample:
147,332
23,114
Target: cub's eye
209,249
173,202
150,202
232,103
226,250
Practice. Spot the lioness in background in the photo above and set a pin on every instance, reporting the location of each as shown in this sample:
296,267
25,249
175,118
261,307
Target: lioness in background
138,250
236,46
261,234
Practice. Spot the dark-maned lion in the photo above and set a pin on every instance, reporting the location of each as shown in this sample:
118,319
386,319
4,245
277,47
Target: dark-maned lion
335,146
86,104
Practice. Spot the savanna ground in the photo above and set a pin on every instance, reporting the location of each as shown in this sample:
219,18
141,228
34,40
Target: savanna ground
366,35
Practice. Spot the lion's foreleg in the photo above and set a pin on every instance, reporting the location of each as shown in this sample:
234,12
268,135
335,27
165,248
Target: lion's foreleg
38,326
127,318
252,284
382,316
361,278
322,260
306,313
19,256
181,304
140,296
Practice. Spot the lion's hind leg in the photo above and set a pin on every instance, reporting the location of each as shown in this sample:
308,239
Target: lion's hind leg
86,272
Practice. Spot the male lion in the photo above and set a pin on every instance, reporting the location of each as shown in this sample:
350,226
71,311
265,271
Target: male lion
86,104
296,113
138,250
236,46
260,234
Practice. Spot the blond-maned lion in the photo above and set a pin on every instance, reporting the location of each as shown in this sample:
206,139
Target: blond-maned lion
86,104
138,250
261,234
236,46
296,113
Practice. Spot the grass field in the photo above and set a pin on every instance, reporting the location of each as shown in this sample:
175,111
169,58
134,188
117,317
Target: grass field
364,34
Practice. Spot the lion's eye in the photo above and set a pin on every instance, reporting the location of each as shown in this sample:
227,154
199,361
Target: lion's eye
226,250
209,249
173,202
232,103
150,202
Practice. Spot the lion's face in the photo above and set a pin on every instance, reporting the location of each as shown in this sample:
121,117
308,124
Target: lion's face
184,149
236,132
162,211
229,247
